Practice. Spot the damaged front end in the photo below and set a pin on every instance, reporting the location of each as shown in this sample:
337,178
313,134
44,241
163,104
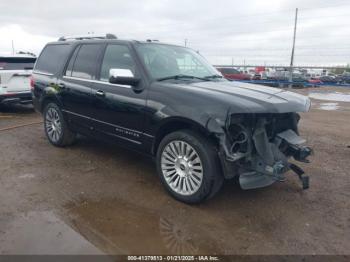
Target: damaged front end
257,147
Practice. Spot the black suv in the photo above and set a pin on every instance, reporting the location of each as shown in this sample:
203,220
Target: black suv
167,101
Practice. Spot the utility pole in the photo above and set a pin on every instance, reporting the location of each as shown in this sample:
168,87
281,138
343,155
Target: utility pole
13,48
186,42
293,48
232,61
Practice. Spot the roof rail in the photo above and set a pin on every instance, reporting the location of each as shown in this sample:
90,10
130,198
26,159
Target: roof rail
152,40
89,36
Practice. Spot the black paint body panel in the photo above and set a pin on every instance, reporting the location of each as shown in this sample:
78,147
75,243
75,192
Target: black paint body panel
133,117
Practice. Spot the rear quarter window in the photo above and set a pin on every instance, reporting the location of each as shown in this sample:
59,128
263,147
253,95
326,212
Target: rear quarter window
52,58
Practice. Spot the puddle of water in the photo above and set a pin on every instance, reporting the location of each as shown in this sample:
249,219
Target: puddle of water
330,96
329,106
42,233
121,228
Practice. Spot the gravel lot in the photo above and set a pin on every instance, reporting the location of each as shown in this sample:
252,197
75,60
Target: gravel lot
93,198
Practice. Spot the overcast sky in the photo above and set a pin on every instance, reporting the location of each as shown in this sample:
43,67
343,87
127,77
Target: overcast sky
250,31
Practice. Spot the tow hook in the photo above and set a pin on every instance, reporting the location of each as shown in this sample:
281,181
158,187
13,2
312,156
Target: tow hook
301,174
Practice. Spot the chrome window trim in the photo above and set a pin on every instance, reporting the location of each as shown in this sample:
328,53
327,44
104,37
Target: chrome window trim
148,135
70,112
95,81
42,73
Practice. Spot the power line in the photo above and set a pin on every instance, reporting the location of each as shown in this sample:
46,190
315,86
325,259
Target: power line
250,22
326,16
233,16
285,49
327,6
286,55
270,38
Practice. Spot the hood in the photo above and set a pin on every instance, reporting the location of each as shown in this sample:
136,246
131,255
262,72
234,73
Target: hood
249,98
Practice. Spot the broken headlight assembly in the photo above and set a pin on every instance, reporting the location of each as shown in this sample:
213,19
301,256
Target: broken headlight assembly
257,147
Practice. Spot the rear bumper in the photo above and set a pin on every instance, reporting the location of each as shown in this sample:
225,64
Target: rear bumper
37,104
16,98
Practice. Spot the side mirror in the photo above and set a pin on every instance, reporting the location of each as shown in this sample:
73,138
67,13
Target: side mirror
122,77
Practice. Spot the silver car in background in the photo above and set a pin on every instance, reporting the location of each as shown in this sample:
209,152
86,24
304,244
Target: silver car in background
15,77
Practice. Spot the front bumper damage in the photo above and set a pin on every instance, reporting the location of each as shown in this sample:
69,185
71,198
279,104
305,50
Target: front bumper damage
257,148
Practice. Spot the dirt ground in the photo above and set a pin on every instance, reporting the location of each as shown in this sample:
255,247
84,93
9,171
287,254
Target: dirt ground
95,198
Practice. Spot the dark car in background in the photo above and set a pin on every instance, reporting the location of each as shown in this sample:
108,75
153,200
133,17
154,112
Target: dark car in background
346,78
256,77
233,74
328,79
169,103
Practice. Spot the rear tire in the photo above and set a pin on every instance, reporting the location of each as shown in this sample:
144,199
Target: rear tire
56,128
188,166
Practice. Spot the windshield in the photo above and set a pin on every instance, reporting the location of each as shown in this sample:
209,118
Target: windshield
164,61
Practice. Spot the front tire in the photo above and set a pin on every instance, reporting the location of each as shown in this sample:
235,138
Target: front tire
188,166
56,128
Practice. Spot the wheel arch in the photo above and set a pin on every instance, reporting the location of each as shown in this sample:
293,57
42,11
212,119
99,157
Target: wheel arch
49,99
179,123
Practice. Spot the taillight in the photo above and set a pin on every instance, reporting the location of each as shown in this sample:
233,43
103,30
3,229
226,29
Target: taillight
32,83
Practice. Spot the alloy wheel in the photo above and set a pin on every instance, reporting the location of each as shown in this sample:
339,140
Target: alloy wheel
53,124
182,167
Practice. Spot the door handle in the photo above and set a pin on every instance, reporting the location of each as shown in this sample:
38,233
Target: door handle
100,93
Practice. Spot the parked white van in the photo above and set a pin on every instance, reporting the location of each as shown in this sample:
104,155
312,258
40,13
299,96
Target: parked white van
15,77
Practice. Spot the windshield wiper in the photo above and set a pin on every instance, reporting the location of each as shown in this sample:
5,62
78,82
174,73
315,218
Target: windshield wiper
176,77
213,76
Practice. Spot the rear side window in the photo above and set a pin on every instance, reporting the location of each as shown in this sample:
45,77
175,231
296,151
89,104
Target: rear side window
71,62
52,58
84,65
16,63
